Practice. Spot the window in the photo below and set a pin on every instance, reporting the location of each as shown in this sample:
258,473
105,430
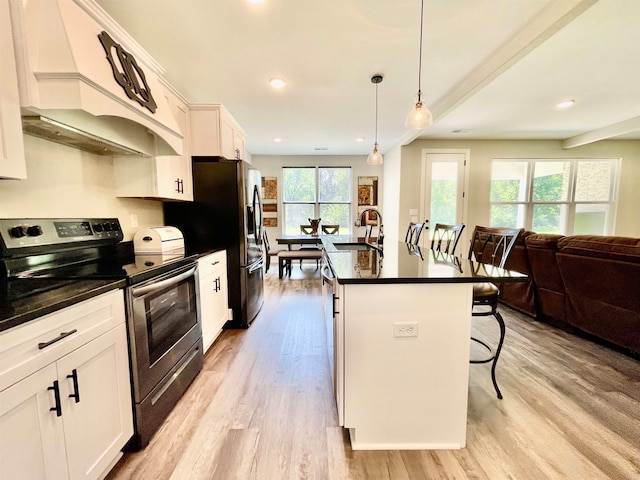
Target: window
567,197
316,192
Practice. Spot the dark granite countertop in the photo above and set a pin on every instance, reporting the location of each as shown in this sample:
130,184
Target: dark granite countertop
25,299
397,262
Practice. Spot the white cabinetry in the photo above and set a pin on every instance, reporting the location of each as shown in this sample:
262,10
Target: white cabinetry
214,132
163,177
65,396
12,160
405,392
214,304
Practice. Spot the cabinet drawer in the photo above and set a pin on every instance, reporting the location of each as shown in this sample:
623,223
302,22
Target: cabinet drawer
212,262
29,347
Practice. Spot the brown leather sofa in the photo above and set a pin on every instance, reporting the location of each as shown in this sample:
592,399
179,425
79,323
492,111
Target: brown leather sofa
519,295
601,277
582,283
550,302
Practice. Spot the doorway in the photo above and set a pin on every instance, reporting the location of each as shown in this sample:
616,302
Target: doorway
445,182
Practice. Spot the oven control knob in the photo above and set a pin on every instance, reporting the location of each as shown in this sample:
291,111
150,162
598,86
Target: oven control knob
34,231
97,227
18,232
114,227
106,226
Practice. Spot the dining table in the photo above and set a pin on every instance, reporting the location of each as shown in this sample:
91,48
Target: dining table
299,239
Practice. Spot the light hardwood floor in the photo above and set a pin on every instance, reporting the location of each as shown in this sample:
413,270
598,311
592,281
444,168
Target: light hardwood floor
262,408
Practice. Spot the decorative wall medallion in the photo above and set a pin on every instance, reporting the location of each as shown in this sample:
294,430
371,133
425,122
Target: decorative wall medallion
127,73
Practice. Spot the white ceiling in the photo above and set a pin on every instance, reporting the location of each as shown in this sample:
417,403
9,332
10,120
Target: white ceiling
492,69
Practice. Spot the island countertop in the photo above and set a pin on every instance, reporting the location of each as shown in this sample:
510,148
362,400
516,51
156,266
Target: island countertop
398,262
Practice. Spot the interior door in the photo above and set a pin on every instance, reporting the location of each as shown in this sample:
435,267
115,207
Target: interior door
444,182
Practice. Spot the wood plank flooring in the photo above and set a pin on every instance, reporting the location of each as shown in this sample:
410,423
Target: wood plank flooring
262,408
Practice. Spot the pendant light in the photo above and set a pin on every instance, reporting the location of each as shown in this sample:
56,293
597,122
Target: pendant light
419,117
375,157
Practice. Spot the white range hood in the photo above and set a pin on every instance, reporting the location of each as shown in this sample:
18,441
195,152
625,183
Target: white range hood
68,88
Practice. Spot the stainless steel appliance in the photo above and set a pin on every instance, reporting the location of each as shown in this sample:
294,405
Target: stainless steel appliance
335,333
163,318
226,214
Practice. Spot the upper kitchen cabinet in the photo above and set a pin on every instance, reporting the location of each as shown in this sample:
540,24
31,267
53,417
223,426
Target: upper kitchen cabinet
165,177
84,82
12,160
214,132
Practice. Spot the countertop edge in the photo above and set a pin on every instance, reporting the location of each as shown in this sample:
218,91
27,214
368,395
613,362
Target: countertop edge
91,292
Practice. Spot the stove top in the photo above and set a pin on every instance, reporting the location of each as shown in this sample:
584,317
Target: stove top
89,248
47,262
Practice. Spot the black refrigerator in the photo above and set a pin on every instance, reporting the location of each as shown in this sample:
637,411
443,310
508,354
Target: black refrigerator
226,214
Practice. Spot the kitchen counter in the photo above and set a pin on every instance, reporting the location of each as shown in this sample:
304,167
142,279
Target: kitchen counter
398,323
398,262
25,299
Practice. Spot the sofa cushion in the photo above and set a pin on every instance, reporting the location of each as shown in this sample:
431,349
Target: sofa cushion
625,249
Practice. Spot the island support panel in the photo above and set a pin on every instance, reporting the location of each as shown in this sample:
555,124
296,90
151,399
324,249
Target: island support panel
406,393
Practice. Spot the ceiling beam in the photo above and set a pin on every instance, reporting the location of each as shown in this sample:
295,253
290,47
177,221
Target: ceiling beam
553,18
610,131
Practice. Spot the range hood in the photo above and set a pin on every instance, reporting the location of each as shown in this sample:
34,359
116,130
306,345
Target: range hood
55,131
78,90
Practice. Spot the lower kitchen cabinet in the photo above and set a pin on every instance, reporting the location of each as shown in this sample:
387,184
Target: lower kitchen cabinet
214,303
71,417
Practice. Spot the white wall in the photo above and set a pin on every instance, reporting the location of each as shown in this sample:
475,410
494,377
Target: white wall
484,151
271,166
67,183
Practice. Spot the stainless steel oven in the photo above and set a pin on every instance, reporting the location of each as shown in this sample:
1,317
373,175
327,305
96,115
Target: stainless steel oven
165,343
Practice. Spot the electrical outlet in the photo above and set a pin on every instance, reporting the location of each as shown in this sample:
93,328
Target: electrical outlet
405,329
134,220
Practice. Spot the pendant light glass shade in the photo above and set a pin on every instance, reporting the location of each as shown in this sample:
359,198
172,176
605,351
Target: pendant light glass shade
375,157
419,117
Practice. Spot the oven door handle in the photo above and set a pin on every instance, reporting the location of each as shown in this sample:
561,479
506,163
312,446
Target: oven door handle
139,291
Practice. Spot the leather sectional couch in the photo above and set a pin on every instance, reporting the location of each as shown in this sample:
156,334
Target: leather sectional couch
584,282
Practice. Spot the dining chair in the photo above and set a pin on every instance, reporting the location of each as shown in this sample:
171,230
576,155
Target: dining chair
490,246
307,230
330,229
268,253
413,232
446,237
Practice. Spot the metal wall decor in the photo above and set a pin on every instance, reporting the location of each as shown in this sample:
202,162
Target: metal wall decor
127,73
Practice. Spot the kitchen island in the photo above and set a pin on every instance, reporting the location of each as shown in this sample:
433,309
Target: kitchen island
398,330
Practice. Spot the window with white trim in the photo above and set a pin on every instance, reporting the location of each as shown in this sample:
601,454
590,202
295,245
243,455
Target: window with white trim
561,196
316,192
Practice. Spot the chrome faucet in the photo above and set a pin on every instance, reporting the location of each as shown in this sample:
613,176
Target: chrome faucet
359,222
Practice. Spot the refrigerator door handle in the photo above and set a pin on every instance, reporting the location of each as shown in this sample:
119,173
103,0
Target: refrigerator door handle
257,211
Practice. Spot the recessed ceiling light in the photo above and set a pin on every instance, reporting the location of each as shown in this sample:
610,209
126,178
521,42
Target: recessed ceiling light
256,1
566,104
360,139
276,139
277,82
